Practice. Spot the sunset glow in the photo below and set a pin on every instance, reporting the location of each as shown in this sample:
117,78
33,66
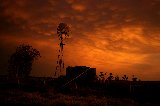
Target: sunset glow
118,36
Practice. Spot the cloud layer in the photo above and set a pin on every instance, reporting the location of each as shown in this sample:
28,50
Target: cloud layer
119,36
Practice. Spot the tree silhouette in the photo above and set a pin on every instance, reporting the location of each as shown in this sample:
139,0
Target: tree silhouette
117,78
101,75
125,78
20,62
110,77
134,78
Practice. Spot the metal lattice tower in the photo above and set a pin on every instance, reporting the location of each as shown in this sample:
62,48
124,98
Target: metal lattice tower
63,33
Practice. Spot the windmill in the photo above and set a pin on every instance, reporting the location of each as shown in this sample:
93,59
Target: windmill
63,33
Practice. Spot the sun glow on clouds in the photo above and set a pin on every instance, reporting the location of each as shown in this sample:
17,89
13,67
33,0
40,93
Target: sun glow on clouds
117,36
78,7
115,50
100,55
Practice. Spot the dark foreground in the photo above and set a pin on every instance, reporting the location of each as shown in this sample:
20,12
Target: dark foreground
19,96
51,92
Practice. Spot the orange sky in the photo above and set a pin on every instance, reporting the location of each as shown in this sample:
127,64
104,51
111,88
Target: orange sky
118,36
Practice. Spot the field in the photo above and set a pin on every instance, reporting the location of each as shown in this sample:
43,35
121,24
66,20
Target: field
19,97
51,97
35,92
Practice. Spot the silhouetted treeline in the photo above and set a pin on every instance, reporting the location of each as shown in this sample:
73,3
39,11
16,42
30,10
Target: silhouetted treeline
20,62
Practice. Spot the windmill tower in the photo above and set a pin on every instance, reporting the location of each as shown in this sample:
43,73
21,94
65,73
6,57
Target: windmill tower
63,33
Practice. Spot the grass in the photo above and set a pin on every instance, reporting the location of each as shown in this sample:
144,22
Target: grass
51,97
20,97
